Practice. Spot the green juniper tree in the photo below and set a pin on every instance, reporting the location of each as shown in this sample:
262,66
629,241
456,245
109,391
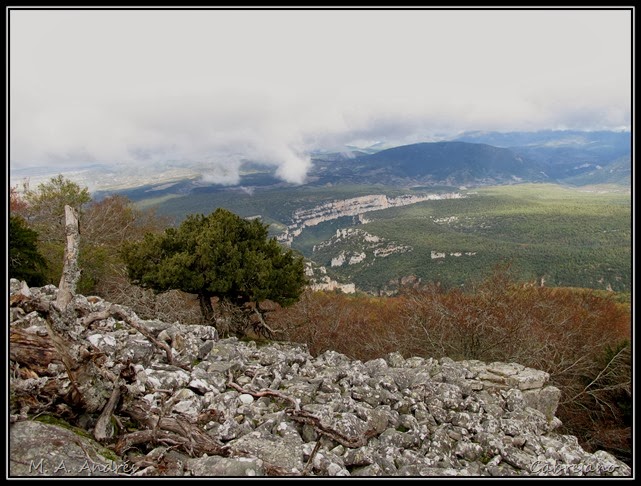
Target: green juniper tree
221,255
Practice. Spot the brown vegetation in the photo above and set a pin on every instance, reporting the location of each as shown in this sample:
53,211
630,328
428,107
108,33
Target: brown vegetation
579,337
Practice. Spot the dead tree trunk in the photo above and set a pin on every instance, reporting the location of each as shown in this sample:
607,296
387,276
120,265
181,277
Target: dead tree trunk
70,269
31,350
90,388
94,387
60,316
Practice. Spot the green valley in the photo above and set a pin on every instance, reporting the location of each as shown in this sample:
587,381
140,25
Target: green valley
565,236
552,234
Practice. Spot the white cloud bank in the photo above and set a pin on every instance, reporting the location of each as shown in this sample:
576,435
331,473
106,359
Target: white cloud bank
218,87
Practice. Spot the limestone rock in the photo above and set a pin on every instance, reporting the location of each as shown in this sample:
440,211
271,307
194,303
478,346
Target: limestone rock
226,466
386,417
44,450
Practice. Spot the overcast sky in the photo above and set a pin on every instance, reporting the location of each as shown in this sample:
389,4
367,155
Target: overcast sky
218,87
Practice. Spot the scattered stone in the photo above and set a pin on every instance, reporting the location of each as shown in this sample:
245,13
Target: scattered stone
246,399
387,417
226,466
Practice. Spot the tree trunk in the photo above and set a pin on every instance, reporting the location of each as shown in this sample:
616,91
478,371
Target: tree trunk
31,350
262,326
70,269
90,387
204,299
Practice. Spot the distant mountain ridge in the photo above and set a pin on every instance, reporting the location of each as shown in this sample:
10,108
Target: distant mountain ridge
567,154
618,172
480,158
549,138
438,162
472,158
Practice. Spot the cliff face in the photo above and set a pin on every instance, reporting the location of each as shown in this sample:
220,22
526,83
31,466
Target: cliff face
276,410
356,206
351,246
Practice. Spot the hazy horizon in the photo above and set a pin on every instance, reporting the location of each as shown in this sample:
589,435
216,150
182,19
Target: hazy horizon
216,87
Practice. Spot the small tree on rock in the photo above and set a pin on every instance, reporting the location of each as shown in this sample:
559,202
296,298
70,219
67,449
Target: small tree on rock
221,255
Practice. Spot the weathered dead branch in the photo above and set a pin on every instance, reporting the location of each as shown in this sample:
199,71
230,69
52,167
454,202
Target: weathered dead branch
104,429
120,313
168,431
32,350
265,392
302,416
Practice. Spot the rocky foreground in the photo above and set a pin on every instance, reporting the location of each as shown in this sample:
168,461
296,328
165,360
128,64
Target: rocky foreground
232,408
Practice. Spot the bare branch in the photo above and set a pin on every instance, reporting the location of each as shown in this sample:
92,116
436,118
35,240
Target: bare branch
103,429
306,417
126,315
605,369
265,392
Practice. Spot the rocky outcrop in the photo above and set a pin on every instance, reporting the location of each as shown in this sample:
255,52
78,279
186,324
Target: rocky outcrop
318,280
355,206
355,246
277,410
39,449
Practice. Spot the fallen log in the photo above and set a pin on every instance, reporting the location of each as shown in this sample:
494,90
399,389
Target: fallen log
32,350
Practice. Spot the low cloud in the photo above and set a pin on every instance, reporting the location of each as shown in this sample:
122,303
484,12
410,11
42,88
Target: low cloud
300,82
217,135
226,174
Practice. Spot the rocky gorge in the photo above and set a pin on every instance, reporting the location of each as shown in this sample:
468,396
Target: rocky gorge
356,206
173,399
